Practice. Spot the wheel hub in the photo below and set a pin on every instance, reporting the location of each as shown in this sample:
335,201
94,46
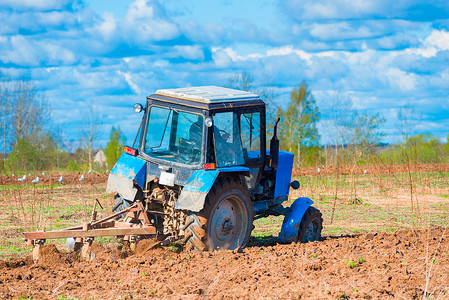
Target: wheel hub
225,219
228,223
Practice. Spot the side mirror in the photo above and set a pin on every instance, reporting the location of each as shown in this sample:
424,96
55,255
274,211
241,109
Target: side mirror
138,107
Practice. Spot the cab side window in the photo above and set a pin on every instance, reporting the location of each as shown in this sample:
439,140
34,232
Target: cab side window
250,131
228,145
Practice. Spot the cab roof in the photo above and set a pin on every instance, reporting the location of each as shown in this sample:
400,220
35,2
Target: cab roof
208,94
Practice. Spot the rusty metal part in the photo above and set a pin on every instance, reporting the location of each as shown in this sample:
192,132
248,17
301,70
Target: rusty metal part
139,225
174,219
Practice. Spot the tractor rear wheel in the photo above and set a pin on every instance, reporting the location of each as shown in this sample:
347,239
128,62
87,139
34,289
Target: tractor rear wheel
310,226
225,222
120,204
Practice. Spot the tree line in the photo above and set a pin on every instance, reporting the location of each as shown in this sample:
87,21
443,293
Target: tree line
30,141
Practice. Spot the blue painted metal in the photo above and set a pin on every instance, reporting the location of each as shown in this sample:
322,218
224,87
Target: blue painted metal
283,174
196,189
130,167
292,220
233,169
260,207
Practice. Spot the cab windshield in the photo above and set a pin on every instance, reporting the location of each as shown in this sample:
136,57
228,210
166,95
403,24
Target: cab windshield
174,135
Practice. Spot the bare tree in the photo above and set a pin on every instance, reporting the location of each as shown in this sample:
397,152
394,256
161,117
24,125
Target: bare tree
265,89
335,123
90,133
30,113
24,112
5,103
407,120
366,133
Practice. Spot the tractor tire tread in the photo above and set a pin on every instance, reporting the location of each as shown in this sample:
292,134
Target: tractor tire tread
198,227
310,213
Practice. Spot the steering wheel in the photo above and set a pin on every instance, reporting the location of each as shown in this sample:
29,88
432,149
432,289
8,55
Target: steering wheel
188,150
224,134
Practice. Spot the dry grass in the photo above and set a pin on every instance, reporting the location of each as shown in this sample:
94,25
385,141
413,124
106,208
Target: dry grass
350,205
372,202
30,208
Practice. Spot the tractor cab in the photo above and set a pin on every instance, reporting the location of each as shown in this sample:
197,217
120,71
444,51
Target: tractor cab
204,128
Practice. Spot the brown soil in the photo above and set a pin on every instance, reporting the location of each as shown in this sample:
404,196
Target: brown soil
367,266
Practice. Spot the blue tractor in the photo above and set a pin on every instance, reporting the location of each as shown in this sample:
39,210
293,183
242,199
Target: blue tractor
200,168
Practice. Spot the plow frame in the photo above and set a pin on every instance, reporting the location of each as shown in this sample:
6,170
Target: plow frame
85,234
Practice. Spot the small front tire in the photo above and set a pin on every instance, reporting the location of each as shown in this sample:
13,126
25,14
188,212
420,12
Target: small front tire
310,226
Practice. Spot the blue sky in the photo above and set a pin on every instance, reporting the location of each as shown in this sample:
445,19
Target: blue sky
379,56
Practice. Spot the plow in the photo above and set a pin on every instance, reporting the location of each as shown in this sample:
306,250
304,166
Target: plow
136,228
199,174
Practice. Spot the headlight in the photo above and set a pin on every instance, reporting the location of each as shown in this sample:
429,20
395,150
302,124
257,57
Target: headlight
138,107
208,122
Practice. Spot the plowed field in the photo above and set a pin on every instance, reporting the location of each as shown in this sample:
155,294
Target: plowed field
385,236
404,264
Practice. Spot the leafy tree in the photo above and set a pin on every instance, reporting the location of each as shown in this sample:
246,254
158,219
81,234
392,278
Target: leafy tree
422,148
298,127
446,149
27,155
114,147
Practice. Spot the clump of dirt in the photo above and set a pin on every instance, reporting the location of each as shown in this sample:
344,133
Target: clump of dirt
404,264
146,245
50,256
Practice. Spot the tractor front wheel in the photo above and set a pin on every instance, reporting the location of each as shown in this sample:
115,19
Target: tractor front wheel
310,226
225,222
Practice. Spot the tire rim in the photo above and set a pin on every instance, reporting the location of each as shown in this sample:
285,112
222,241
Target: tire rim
228,224
312,231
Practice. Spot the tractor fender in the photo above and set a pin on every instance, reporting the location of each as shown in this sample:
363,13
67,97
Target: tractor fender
292,220
127,170
198,185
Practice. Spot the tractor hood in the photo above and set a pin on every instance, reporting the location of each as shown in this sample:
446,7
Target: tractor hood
127,170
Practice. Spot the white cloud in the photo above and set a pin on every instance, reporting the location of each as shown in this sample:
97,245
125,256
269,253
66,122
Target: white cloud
223,57
438,39
146,22
335,9
128,77
109,25
339,31
190,52
400,79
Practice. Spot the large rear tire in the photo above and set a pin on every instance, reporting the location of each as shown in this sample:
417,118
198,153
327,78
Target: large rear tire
310,226
225,222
